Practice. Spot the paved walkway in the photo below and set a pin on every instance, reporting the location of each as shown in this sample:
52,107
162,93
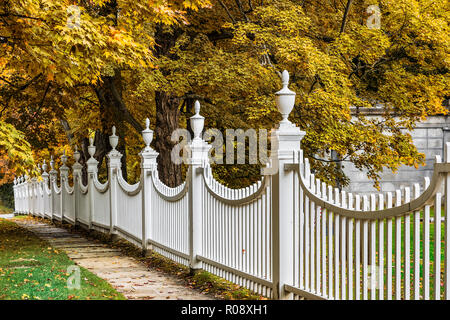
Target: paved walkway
128,275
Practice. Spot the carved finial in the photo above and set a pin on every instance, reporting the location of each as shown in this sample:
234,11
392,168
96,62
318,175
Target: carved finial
285,99
76,154
52,162
197,107
113,139
197,121
147,134
44,166
91,147
285,78
64,158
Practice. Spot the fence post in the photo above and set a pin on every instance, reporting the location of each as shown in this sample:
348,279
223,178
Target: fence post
285,144
22,194
40,200
63,174
92,172
53,174
198,154
15,195
148,164
44,176
30,194
76,170
114,164
33,196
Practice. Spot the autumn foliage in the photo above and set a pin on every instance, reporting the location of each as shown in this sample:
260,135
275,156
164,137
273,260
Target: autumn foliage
64,76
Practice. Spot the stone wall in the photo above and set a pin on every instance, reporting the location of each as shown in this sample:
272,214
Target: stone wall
429,137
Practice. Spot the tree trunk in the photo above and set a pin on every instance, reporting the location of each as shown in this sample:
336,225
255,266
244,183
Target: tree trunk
167,117
114,112
167,112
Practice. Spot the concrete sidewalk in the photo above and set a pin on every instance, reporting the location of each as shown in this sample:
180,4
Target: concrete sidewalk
128,275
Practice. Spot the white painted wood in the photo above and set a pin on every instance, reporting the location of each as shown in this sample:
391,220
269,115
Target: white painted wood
380,250
426,247
343,244
330,217
350,268
336,247
358,228
389,253
365,251
318,240
407,246
323,242
398,248
437,246
312,222
372,251
416,246
447,226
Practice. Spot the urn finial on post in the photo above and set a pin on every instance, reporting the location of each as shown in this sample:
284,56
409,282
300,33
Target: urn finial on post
113,139
52,163
91,147
64,158
285,99
147,135
197,121
76,154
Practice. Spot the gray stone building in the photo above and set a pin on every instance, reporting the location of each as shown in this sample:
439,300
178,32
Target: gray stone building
429,137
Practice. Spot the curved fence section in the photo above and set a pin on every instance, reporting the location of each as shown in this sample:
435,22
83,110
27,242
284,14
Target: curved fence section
100,214
377,246
236,234
170,221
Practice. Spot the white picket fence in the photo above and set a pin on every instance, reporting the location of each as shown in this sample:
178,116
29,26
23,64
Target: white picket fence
285,237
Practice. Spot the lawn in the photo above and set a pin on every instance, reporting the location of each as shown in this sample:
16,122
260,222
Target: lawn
31,269
4,209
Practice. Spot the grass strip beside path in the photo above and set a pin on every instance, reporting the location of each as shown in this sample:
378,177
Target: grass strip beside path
31,269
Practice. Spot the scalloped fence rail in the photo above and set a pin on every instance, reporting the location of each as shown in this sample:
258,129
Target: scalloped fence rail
289,236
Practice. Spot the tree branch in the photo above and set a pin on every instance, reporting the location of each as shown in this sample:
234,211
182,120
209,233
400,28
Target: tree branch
344,18
228,11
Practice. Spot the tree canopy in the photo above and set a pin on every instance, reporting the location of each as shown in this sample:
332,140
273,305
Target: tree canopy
68,67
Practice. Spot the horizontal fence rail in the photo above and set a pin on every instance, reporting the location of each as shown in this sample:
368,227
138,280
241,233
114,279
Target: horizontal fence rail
288,236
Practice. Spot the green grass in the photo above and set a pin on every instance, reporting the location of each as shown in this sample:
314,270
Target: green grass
432,240
4,209
31,269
